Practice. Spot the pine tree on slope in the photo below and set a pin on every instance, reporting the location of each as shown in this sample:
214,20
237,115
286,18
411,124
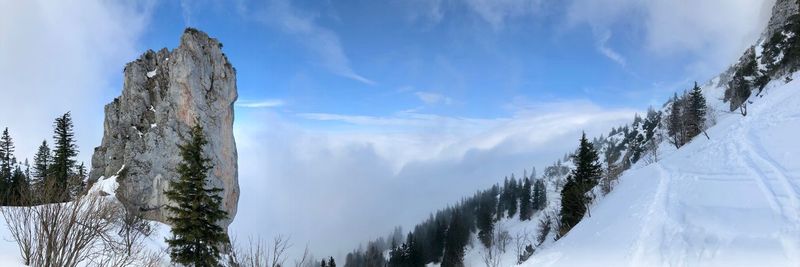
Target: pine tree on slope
456,241
196,236
696,120
64,153
501,203
484,216
539,195
574,196
525,205
675,122
512,197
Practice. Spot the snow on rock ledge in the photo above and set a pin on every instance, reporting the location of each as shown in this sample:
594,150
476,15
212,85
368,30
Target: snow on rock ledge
144,126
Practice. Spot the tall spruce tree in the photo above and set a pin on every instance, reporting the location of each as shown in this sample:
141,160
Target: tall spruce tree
696,112
18,188
196,236
574,196
64,153
501,203
7,163
484,216
675,128
41,168
525,205
539,195
456,241
512,197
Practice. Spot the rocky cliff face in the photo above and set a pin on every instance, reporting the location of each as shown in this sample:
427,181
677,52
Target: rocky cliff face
164,94
780,16
781,11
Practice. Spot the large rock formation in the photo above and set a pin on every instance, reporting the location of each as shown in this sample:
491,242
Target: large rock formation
781,11
164,94
780,16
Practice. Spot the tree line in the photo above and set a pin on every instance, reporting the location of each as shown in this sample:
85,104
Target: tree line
444,236
55,168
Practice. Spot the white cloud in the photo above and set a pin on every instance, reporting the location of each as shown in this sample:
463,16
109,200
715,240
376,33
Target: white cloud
714,31
267,103
427,10
433,98
61,56
186,11
337,188
323,42
497,12
602,46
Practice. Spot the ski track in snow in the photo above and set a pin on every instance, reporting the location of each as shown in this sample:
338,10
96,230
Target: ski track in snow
733,200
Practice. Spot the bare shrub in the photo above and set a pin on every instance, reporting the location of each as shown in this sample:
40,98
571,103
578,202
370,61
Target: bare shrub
90,230
523,244
545,226
258,253
491,255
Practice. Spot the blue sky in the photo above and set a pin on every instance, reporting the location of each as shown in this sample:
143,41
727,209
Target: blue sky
382,57
357,116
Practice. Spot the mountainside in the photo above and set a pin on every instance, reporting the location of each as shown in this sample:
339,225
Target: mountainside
725,194
732,200
164,94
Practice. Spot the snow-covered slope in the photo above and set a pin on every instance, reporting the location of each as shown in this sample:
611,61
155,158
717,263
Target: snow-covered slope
106,188
731,200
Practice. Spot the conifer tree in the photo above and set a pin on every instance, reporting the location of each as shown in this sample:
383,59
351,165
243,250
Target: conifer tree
501,203
588,169
41,168
456,241
485,216
77,182
512,197
196,236
696,112
525,205
64,153
574,196
331,262
18,187
7,163
675,122
539,195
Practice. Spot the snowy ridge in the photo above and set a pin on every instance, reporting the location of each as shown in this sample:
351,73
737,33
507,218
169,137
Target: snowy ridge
732,200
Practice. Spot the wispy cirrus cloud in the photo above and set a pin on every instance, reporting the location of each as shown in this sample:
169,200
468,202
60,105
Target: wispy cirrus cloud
497,12
324,43
431,98
606,50
266,103
716,31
